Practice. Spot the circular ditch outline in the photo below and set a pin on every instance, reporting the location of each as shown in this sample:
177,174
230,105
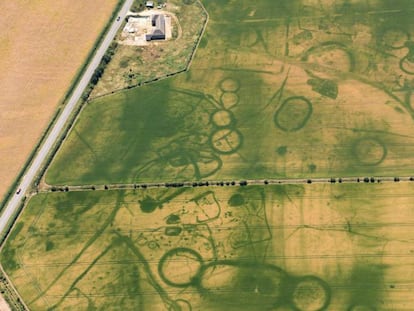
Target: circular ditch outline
256,37
229,85
229,99
301,124
328,46
323,286
395,29
224,133
403,61
176,251
223,118
245,265
362,143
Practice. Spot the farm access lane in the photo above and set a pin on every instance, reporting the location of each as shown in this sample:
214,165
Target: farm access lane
14,202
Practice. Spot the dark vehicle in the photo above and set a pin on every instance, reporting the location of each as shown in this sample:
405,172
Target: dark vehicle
118,19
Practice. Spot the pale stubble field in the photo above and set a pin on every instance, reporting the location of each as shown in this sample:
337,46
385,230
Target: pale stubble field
43,45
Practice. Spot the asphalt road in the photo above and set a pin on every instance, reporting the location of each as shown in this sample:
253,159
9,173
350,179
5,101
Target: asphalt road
33,169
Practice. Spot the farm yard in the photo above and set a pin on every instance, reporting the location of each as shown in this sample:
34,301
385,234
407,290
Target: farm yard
253,248
133,65
291,90
38,62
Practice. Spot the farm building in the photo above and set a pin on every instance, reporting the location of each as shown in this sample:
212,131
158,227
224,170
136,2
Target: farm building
149,4
158,24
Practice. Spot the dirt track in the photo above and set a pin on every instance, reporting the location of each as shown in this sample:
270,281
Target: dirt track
38,64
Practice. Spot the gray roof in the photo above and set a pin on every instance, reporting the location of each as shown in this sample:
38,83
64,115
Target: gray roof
159,23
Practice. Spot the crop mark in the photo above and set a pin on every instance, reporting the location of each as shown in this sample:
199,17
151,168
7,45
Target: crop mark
293,114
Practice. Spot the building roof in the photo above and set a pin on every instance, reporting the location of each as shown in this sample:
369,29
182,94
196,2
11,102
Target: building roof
149,4
158,21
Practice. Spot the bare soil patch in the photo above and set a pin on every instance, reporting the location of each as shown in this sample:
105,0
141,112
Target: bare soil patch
4,305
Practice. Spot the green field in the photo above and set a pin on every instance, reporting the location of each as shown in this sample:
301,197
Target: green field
267,96
231,248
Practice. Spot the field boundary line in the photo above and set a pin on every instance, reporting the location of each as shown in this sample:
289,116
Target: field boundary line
222,183
10,287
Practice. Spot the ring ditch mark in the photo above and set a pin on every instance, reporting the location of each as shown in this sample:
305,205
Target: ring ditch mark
243,284
326,55
251,37
223,118
239,238
369,151
229,99
226,140
359,307
229,85
153,245
310,293
395,38
180,266
293,114
406,65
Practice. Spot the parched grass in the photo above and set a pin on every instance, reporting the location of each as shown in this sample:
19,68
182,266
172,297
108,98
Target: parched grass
134,65
308,245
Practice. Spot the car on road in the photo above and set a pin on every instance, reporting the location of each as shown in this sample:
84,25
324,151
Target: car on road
118,19
18,191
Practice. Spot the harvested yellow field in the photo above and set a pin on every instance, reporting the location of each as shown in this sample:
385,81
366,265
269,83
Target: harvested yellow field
43,45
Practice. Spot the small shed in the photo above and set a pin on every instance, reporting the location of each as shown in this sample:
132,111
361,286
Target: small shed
149,4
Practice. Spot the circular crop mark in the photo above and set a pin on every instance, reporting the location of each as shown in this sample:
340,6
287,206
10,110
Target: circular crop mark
229,85
331,55
222,118
310,294
250,37
243,284
238,238
407,65
226,141
293,114
178,159
361,308
153,245
395,38
229,99
180,266
369,151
